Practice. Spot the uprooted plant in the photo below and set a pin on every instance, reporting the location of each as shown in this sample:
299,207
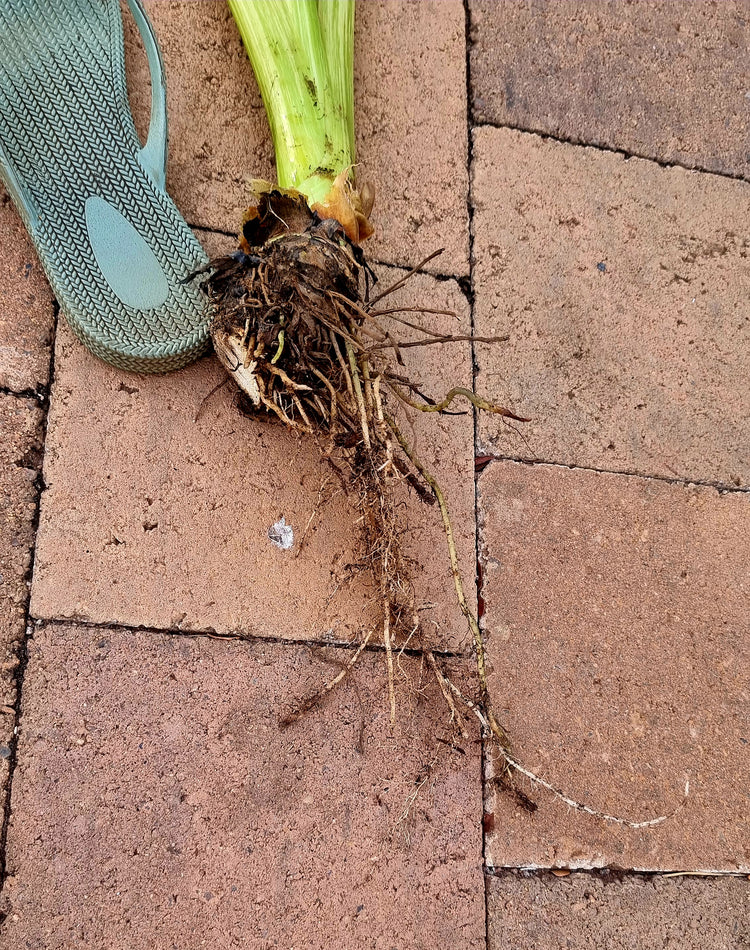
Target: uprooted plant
300,330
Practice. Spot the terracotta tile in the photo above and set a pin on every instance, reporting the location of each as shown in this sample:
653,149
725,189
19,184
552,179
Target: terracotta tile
623,289
657,79
586,911
157,803
408,57
26,307
20,461
618,631
160,495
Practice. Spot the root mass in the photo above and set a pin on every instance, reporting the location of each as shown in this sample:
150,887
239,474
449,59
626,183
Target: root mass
298,330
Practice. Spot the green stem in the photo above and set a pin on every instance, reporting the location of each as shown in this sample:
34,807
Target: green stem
303,63
337,28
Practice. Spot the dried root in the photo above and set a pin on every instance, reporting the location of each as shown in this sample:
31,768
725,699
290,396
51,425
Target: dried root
296,327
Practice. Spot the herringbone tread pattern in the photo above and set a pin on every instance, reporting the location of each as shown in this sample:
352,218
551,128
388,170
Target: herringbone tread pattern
65,122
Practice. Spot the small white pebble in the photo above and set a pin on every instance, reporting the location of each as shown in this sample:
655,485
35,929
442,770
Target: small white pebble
281,534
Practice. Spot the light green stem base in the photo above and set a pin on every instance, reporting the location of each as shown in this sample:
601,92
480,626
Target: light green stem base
302,55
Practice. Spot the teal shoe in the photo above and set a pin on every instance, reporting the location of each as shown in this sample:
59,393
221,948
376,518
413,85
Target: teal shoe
114,247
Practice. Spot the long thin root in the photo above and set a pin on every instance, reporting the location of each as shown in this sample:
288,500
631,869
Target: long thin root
307,704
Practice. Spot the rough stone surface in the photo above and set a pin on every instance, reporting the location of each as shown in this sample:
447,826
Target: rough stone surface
659,79
218,133
623,287
410,119
619,638
180,815
26,307
585,911
408,58
160,495
20,461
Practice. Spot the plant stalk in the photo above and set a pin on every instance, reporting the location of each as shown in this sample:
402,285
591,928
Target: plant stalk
302,53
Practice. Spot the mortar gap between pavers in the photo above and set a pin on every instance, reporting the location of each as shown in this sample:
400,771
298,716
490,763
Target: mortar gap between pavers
38,395
209,230
250,639
22,646
467,288
598,147
610,874
721,487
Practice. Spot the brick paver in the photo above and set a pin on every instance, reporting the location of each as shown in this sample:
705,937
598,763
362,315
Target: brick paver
157,803
409,58
160,496
20,460
26,308
660,79
619,638
623,287
588,912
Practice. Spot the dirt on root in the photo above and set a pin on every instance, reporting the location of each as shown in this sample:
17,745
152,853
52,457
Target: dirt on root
298,327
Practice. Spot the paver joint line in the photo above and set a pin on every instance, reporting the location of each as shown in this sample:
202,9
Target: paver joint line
349,645
470,296
461,279
23,658
43,402
721,487
39,395
598,147
22,655
608,873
